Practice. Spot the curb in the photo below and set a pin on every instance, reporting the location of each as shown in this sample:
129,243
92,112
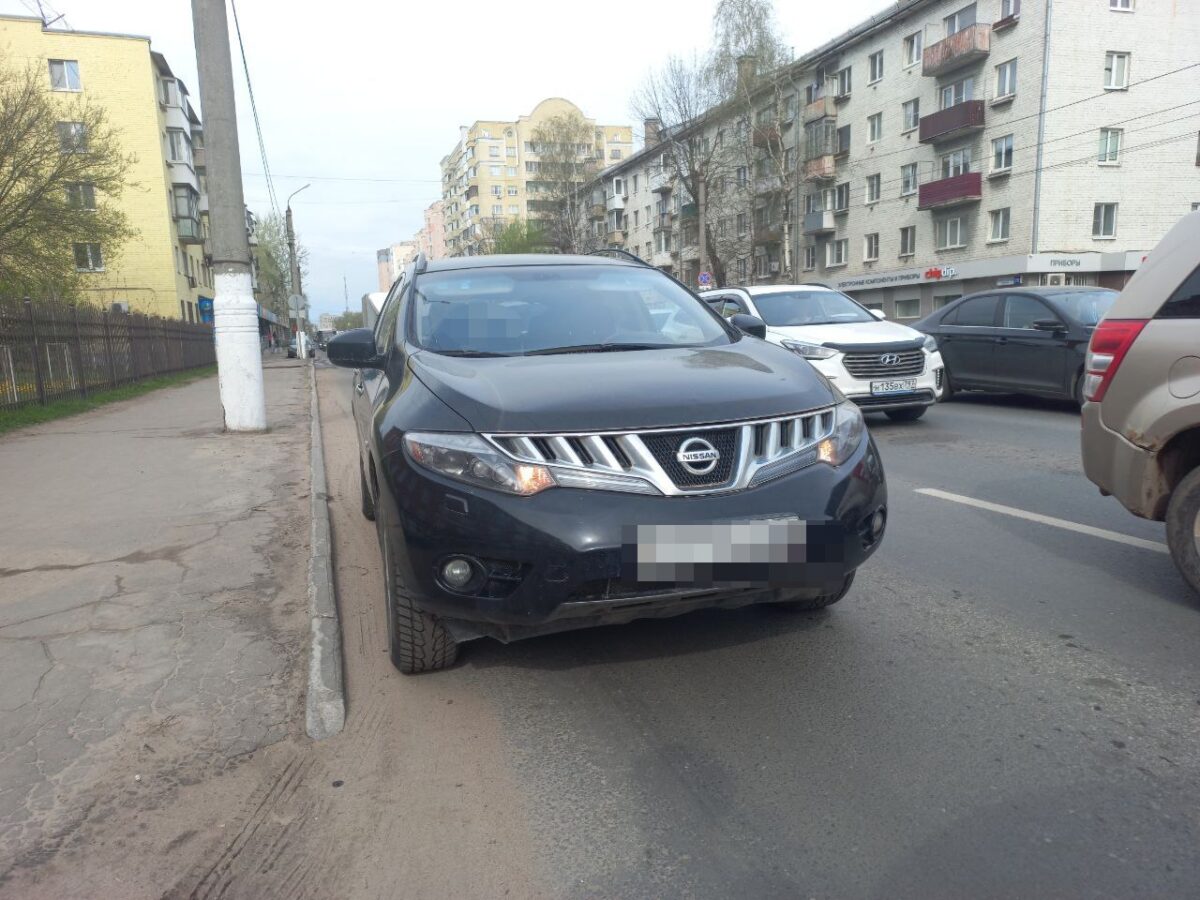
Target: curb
325,707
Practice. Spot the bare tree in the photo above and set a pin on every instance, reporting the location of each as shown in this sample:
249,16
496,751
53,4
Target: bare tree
273,265
566,159
62,170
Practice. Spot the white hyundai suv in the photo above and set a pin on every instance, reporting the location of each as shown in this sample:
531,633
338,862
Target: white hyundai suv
880,365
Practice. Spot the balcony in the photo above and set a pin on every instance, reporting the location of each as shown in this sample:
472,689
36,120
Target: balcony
472,192
615,237
189,229
819,222
821,168
597,211
662,259
199,158
766,137
767,184
202,203
821,108
970,45
615,201
660,181
768,234
663,222
952,122
953,191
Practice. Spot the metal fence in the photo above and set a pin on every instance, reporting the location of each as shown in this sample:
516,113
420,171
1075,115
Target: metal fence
50,350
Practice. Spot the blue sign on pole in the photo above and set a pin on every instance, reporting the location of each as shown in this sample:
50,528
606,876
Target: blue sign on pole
205,305
705,279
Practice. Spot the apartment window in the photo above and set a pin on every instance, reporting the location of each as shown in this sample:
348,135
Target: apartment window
742,268
949,233
1116,71
810,258
913,44
647,251
81,195
1104,220
88,258
959,92
741,224
871,247
614,153
494,151
1006,79
1110,145
841,197
1010,8
636,219
908,179
760,217
512,191
494,171
908,240
999,224
876,65
185,200
513,209
496,190
957,21
619,187
789,159
1002,153
72,137
908,308
843,82
843,139
167,92
1121,5
836,252
874,127
64,75
635,184
874,188
742,176
957,162
510,171
497,209
510,151
912,114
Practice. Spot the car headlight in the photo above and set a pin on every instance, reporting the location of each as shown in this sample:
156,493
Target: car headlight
469,458
848,429
931,344
810,351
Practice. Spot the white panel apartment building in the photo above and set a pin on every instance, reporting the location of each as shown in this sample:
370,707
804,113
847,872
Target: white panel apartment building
924,173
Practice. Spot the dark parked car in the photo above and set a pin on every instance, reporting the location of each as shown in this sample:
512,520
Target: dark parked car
1019,340
550,442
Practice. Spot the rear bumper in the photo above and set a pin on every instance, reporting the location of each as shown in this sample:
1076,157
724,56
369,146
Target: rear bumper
1121,468
554,561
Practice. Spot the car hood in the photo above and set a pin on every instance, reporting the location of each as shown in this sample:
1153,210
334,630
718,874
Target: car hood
636,389
847,334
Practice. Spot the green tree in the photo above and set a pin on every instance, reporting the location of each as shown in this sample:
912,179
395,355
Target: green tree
274,265
347,320
62,172
567,158
520,236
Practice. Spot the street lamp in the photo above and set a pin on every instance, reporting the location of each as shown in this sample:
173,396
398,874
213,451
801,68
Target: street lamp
301,333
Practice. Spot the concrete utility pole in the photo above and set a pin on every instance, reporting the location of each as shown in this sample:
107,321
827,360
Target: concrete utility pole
235,312
297,290
701,212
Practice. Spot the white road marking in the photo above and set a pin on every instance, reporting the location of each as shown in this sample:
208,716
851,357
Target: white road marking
1045,520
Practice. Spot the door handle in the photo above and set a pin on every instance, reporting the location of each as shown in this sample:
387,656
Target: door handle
359,387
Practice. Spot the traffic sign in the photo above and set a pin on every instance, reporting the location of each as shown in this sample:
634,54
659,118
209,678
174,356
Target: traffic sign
705,279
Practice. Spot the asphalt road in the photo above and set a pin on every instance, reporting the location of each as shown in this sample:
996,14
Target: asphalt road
1000,708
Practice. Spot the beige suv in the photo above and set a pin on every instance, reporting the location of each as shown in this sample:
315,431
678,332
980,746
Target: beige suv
1141,421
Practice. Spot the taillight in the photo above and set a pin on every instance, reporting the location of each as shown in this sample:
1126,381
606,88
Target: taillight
1110,342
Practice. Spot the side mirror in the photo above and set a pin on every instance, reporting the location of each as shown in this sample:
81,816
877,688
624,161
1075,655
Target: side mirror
879,314
1049,325
751,325
354,349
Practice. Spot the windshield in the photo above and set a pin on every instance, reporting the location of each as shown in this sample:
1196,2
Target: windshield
1086,307
519,310
782,308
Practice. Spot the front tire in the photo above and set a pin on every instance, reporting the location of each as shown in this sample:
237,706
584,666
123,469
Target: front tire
1183,528
908,414
812,604
418,642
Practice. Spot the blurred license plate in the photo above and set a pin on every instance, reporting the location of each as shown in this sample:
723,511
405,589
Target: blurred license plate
898,386
758,550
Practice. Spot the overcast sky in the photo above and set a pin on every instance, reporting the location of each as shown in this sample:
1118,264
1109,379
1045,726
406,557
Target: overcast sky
374,91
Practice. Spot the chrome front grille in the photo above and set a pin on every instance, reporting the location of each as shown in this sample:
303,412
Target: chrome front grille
647,462
899,364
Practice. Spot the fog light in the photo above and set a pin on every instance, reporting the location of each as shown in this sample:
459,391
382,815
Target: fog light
457,572
877,522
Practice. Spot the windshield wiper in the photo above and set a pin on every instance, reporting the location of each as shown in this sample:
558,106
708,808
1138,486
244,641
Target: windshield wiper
469,353
594,348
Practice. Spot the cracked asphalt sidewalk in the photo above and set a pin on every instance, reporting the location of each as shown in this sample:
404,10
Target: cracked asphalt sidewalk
153,625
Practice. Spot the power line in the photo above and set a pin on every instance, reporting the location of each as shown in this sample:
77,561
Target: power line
262,147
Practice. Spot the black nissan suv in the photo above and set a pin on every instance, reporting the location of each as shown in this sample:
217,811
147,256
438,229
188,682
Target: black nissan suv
551,442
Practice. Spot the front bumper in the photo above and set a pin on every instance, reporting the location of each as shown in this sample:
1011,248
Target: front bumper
929,388
1121,468
554,560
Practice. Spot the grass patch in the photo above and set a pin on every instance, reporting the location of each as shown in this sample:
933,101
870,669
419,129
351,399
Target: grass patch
12,419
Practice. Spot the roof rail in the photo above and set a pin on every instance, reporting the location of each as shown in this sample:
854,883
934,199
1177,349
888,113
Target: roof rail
618,253
420,265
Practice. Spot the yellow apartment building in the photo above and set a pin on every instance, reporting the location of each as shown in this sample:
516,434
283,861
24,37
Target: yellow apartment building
163,268
490,177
